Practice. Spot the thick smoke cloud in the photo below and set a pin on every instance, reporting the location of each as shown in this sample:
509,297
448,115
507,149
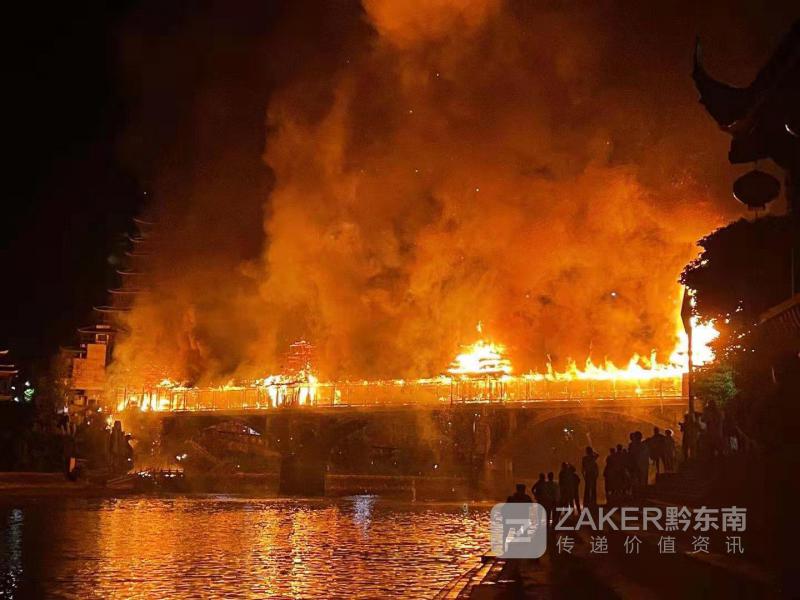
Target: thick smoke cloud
542,167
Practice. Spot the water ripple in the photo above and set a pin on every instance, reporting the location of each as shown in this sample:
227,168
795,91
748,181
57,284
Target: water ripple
227,547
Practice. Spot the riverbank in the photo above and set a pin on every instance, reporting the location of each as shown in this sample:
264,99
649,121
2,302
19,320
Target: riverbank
583,574
259,484
48,484
584,568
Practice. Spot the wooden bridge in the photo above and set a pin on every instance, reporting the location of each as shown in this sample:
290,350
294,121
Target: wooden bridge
512,391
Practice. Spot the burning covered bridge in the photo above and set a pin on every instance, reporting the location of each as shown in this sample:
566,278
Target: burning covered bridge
480,374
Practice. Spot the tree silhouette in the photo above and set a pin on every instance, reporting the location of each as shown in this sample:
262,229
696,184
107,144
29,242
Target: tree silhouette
744,270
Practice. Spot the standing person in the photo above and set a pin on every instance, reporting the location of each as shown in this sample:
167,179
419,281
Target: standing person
537,489
565,493
642,460
550,496
609,475
576,489
519,495
656,446
590,472
669,450
690,426
639,459
624,464
633,452
623,471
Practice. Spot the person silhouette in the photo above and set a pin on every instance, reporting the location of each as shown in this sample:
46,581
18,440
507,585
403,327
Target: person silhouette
519,495
538,489
609,473
550,496
669,450
656,446
565,493
576,492
639,459
590,472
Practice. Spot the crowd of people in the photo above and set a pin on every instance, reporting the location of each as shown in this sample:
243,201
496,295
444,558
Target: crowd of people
627,469
625,473
712,433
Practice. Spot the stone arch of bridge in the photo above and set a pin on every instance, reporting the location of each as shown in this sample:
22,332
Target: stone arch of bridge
525,425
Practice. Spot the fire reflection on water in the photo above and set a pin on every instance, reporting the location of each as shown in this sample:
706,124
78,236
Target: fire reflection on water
217,546
11,552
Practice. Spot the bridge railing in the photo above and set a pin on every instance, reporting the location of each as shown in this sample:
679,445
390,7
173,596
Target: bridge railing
392,393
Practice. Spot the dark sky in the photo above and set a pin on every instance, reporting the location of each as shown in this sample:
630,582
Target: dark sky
78,171
68,198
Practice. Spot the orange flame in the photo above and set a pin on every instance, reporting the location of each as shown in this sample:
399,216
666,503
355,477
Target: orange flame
483,360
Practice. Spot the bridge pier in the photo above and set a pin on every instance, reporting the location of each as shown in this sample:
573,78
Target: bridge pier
302,475
305,441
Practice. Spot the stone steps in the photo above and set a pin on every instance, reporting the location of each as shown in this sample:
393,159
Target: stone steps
691,486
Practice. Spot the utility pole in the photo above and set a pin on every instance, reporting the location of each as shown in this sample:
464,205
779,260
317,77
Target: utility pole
688,426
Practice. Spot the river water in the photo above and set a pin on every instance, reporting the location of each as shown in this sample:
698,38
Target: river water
232,547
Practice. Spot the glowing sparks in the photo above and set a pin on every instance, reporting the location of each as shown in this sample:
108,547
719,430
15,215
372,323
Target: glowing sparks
702,336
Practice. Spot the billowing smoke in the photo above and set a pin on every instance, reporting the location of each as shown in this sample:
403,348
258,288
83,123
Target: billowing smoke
542,167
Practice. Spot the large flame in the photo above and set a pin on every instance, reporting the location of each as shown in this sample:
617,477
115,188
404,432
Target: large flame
486,358
481,363
702,336
481,358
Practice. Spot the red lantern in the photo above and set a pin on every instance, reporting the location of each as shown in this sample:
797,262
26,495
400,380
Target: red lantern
756,189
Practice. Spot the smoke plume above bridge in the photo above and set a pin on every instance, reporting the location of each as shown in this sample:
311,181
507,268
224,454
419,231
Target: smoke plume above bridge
539,166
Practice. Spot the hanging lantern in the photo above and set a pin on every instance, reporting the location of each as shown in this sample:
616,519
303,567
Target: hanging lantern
756,188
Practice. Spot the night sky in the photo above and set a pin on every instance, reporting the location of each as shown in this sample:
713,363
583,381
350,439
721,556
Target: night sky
85,135
69,198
